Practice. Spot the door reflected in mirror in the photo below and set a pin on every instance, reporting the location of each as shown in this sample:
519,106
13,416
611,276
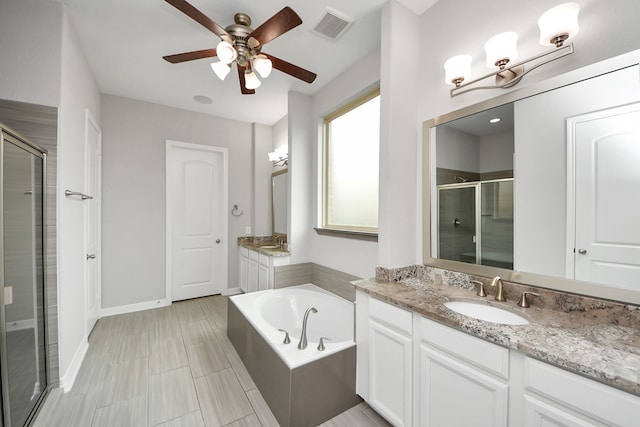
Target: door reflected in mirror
279,191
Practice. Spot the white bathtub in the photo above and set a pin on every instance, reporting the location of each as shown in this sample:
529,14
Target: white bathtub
284,308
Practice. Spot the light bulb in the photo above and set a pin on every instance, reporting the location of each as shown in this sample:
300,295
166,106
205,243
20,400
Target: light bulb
558,24
457,69
251,80
226,53
221,69
262,65
501,49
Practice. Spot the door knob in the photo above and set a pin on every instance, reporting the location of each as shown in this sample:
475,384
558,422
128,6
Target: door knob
91,256
217,240
582,251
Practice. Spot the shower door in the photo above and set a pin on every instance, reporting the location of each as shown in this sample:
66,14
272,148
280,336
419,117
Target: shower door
22,312
457,222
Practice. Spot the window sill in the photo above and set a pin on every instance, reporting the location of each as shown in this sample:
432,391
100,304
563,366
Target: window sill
348,234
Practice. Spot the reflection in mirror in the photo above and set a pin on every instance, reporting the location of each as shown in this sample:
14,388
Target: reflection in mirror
474,187
570,222
279,202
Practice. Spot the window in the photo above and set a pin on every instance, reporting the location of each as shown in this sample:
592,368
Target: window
351,154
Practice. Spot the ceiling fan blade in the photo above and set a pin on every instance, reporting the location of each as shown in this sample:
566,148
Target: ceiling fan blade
243,88
275,26
198,16
292,70
190,56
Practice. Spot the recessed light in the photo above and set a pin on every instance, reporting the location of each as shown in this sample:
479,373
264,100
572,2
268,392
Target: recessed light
202,99
495,120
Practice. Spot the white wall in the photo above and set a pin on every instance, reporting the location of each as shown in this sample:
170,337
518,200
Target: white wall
496,152
400,72
301,172
30,46
460,152
78,92
133,217
262,168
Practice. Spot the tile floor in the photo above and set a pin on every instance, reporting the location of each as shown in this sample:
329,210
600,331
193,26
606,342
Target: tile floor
172,366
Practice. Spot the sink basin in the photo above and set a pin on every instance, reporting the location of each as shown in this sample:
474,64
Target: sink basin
486,312
268,247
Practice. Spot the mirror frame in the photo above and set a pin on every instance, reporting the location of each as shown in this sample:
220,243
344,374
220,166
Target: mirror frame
631,59
273,204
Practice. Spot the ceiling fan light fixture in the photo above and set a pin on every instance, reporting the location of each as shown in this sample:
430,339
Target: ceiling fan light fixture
251,80
221,69
226,53
262,65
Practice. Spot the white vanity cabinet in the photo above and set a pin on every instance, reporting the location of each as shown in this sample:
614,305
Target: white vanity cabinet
390,361
414,371
257,270
555,397
463,379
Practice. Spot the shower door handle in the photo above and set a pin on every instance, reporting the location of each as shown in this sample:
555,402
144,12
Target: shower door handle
91,256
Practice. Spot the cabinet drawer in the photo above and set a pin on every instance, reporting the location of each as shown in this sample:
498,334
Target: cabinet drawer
244,252
478,352
391,315
599,401
264,260
253,255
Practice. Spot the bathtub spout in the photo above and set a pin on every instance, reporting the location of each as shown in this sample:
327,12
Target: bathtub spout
303,337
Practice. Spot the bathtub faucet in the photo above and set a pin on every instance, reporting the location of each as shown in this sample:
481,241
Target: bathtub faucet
303,338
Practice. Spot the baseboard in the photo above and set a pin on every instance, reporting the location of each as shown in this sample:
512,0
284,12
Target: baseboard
231,291
131,308
67,380
19,325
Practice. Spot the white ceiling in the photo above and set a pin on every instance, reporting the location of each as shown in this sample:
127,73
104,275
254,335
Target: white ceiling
124,41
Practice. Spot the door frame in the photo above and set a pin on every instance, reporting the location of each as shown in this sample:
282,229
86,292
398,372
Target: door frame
170,146
97,199
572,122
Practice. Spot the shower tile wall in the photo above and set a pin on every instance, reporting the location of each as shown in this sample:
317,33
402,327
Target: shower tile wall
39,124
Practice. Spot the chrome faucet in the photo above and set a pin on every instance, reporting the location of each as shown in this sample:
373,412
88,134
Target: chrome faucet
499,294
303,338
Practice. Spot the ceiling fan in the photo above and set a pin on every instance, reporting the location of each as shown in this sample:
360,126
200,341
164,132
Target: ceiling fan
243,45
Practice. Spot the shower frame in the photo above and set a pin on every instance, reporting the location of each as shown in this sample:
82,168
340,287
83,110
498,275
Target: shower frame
8,135
477,186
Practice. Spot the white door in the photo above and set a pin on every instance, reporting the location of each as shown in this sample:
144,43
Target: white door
196,220
92,220
607,206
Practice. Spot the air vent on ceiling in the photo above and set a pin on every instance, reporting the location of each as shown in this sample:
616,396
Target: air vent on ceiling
333,24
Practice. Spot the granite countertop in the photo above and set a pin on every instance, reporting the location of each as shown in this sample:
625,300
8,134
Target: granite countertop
265,248
601,341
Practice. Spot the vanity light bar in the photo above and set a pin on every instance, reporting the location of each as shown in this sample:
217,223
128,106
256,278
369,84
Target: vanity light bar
511,75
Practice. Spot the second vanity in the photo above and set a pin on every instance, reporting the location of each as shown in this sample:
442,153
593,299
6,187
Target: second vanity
258,259
422,364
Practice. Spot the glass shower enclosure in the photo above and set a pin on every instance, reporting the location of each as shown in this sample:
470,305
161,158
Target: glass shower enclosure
475,222
23,368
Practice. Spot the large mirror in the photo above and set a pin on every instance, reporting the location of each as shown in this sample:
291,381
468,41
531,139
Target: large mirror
548,195
279,202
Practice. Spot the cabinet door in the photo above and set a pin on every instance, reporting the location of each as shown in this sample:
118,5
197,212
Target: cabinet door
244,263
541,414
390,373
263,277
252,275
455,394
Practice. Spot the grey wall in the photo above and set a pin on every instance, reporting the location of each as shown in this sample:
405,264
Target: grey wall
133,180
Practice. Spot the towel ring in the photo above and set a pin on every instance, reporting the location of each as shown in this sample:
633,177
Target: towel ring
235,211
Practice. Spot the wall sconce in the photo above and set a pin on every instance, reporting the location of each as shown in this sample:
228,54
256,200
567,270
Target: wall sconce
279,157
556,25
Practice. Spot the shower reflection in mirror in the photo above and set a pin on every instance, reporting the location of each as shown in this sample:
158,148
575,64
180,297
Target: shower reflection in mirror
474,181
